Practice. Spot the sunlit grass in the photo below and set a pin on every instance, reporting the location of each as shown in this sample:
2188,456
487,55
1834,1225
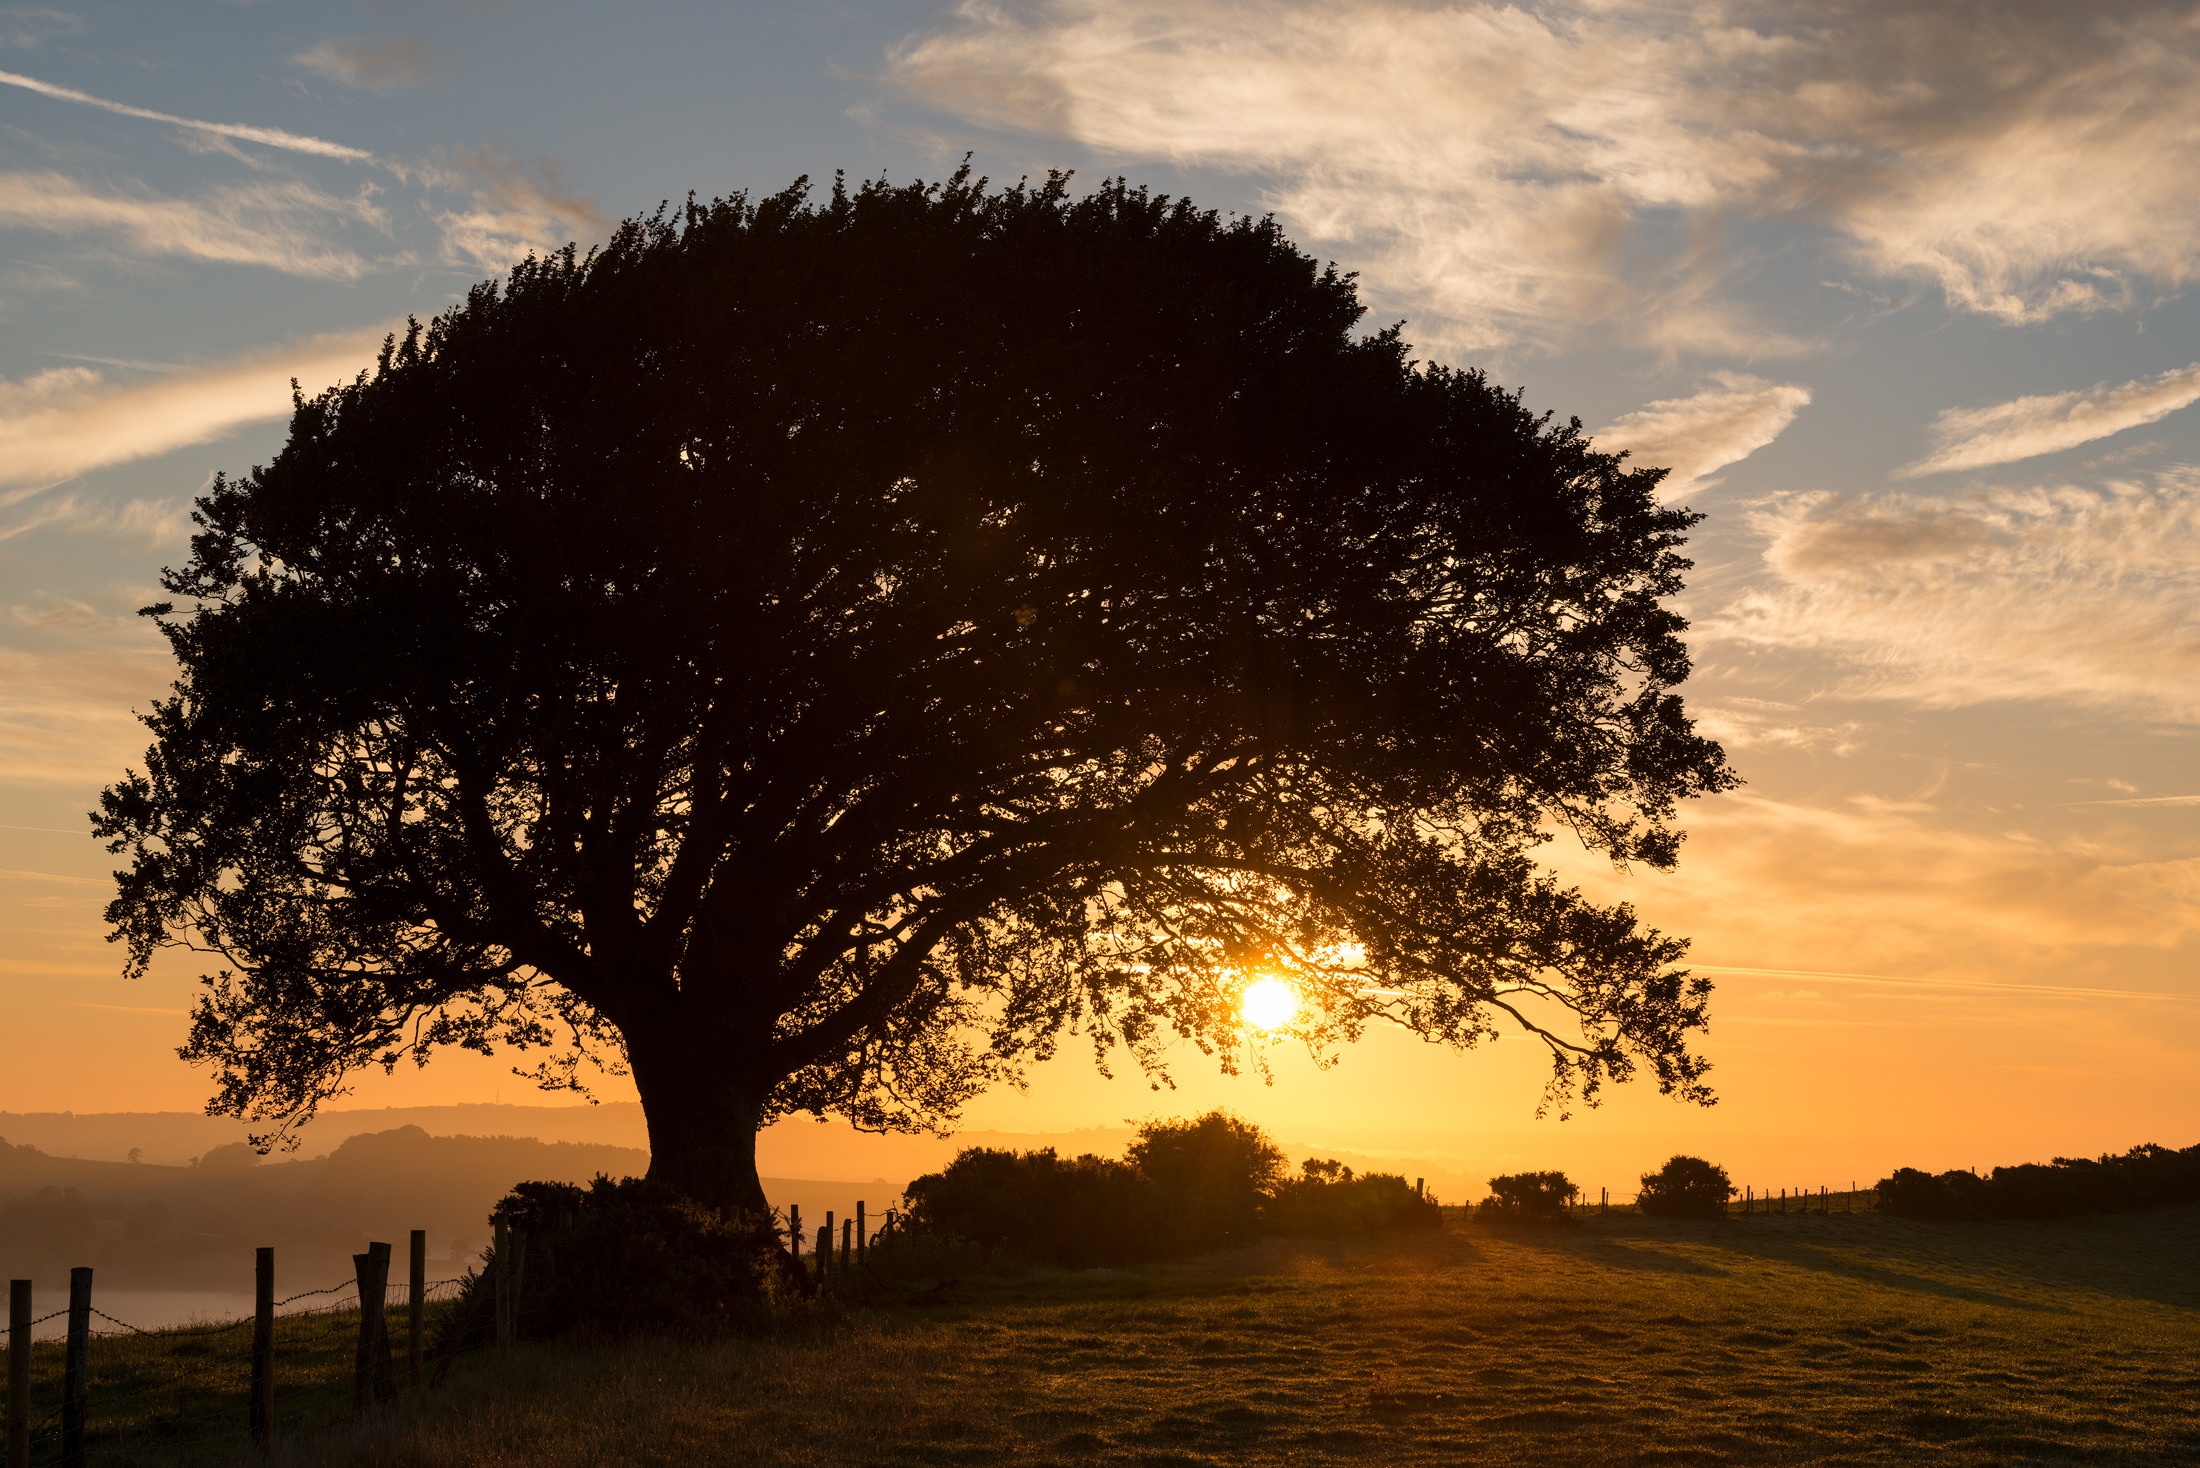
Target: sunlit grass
1856,1339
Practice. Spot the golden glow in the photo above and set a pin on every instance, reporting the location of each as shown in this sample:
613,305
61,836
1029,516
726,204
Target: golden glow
1269,1004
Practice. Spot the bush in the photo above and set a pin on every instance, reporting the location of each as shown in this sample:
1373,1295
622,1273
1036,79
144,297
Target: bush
1210,1177
1328,1201
1078,1213
2145,1177
1185,1186
1686,1187
624,1256
1528,1197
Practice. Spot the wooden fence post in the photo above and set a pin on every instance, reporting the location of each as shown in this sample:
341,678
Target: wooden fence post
76,1369
863,1242
824,1250
416,1323
19,1373
371,1378
261,1412
794,1231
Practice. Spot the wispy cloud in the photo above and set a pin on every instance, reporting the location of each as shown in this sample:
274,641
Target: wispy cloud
515,207
2048,423
1510,169
284,226
241,132
152,523
387,65
1699,435
2088,595
68,718
69,420
34,25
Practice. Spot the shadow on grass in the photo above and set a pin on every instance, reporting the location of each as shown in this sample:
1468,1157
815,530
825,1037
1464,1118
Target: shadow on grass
2010,1264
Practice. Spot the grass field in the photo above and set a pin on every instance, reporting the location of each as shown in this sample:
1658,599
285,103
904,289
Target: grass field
1804,1339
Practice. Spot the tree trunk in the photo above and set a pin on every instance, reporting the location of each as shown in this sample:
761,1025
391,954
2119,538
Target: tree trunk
702,1116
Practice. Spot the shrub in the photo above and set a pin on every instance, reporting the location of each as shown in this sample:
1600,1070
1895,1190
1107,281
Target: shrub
1686,1187
1077,1213
2145,1177
624,1256
1210,1177
1184,1186
1328,1201
1531,1197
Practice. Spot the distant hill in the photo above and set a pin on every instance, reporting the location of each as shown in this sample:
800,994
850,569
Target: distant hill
180,1136
148,1224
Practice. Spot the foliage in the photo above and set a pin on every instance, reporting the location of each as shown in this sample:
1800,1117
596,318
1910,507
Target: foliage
1186,1186
1528,1197
819,653
2147,1176
1076,1212
624,1255
1329,1201
1686,1187
1210,1177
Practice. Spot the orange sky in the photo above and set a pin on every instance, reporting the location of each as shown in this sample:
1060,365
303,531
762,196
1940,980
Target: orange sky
1903,295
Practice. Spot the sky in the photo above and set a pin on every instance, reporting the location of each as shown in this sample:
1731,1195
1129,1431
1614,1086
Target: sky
1903,294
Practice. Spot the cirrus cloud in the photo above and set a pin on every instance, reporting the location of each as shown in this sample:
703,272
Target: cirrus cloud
2086,595
1510,169
70,420
2048,423
387,65
1696,436
284,226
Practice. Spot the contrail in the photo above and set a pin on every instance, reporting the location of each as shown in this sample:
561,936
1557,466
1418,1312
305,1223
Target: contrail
269,136
2059,991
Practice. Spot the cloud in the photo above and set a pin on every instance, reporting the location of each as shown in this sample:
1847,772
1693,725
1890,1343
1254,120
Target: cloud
517,207
282,226
1697,436
70,420
2023,428
375,66
2087,595
152,523
34,25
1512,170
265,136
69,717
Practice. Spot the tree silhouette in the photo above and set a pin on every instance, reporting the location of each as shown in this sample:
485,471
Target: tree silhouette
821,654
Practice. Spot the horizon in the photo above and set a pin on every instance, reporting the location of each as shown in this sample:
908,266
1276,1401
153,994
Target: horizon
1934,405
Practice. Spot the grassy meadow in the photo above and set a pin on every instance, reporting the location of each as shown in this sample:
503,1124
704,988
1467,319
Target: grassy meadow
1841,1338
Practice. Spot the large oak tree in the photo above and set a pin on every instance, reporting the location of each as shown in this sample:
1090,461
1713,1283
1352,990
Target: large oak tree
820,654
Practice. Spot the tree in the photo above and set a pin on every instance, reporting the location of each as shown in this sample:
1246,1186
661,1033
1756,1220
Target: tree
818,655
1686,1187
1536,1197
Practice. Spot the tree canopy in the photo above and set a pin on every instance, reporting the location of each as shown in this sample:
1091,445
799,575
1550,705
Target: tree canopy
820,653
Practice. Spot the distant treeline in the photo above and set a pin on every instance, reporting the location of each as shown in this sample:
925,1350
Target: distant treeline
1183,1186
2145,1177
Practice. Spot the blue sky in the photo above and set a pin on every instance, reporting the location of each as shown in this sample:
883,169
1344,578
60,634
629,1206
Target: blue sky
1904,294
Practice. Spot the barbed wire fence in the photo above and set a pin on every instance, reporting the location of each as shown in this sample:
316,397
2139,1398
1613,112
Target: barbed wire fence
197,1392
149,1391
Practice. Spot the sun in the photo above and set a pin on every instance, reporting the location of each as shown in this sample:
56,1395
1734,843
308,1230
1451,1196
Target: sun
1269,1004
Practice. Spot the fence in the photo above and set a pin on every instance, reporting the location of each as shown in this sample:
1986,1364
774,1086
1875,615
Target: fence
838,1258
114,1392
1752,1201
